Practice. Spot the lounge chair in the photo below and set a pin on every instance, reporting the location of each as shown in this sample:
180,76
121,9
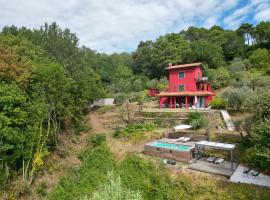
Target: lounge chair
180,139
186,139
219,160
211,159
255,173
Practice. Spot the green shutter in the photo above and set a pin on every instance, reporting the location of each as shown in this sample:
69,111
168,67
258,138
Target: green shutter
181,74
181,88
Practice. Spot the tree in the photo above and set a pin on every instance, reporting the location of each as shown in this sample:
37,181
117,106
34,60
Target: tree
260,58
262,31
151,58
236,97
219,77
217,36
143,59
193,33
234,45
259,129
207,52
246,31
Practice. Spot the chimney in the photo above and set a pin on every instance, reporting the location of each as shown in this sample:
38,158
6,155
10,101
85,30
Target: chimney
170,64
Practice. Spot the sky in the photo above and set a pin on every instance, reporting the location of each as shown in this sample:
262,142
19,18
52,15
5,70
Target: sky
119,25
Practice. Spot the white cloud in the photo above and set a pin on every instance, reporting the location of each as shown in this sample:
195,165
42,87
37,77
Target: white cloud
119,25
262,11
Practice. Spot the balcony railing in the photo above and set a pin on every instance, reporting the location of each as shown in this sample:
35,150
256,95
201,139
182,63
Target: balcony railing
201,79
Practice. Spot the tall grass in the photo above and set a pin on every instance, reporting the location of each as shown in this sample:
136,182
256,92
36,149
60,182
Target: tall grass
91,174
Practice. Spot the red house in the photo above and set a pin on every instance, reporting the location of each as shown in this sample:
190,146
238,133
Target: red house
187,87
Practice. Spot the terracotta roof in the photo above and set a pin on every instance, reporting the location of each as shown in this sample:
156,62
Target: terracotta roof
195,93
184,65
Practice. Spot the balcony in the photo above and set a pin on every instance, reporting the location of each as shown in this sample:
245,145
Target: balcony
201,79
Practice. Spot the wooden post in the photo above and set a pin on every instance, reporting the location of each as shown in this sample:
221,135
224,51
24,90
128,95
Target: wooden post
174,102
232,159
170,102
186,102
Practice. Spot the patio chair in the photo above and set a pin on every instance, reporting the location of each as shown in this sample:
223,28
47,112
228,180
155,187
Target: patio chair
219,160
211,159
171,162
255,173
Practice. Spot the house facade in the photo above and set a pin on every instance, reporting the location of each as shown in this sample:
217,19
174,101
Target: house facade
187,87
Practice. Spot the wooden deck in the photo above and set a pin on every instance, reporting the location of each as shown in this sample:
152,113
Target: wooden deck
223,169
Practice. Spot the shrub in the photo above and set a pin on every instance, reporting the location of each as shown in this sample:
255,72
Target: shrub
135,132
236,97
41,190
114,189
218,103
196,120
98,139
120,98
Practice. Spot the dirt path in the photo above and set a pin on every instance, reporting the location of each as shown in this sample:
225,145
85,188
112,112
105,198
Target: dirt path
96,123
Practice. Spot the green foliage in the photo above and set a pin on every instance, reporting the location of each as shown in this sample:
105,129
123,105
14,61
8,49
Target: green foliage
258,129
114,190
90,175
207,52
134,132
218,103
151,58
41,190
150,180
260,58
260,106
220,77
196,120
98,139
236,97
260,138
39,95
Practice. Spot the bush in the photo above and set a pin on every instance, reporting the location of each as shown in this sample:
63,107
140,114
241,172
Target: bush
114,189
196,120
135,132
41,190
236,97
98,139
120,98
218,103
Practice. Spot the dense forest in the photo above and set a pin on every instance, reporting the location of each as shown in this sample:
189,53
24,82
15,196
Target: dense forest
48,81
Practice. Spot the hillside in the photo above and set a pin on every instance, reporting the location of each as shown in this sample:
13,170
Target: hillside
53,145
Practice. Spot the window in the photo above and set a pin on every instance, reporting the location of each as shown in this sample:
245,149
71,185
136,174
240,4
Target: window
181,88
181,74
